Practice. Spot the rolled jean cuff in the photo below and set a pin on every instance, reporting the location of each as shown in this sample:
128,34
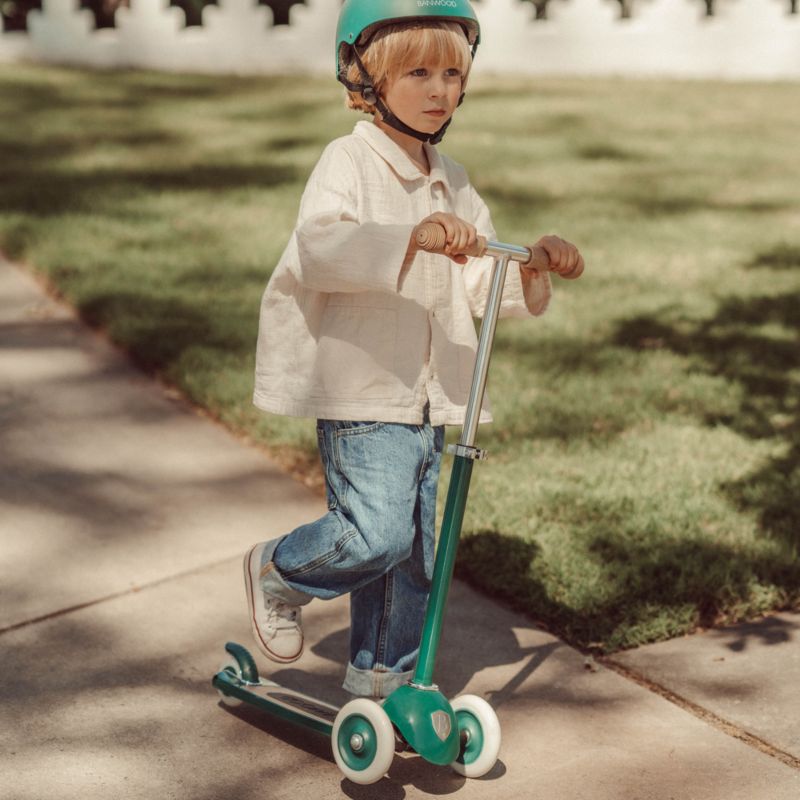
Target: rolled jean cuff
273,584
373,683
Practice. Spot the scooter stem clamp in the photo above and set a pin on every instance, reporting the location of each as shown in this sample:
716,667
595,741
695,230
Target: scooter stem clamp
474,453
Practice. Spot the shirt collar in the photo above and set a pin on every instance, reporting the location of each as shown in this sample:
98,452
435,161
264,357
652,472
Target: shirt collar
397,158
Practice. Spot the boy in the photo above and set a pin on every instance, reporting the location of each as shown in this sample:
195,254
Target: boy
375,339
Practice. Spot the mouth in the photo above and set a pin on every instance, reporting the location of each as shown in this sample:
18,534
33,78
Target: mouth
435,112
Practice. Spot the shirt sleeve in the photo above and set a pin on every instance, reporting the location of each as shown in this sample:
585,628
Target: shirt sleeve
524,294
336,251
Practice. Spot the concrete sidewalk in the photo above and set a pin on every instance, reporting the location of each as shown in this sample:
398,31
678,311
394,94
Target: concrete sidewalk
123,517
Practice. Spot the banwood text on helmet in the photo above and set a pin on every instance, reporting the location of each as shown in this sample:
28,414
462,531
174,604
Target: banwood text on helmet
358,21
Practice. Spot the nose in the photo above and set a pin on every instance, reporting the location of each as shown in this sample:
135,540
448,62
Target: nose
437,86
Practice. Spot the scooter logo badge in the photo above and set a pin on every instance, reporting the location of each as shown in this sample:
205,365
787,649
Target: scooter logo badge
441,724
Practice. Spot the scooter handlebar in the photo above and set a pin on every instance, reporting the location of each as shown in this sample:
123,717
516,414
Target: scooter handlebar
432,237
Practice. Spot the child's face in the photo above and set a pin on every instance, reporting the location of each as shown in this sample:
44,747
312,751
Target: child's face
425,96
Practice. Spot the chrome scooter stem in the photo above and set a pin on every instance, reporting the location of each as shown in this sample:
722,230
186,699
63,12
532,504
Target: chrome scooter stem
483,356
502,253
465,455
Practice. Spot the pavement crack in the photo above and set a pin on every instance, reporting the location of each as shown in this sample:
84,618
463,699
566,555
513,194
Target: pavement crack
136,589
703,714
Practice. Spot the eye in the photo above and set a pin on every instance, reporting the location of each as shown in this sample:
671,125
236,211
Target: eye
453,72
420,72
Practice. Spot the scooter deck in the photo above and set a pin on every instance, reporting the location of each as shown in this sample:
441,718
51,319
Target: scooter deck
287,704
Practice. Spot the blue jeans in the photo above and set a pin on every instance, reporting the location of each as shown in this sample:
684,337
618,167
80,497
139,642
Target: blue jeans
375,542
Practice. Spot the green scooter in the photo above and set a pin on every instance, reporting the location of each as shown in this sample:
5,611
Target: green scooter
365,733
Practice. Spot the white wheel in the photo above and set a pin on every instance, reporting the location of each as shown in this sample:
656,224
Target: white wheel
231,665
363,741
480,736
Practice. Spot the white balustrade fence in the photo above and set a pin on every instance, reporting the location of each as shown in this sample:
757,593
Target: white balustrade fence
751,39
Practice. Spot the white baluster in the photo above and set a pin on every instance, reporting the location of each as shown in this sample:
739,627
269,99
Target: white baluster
508,33
310,40
61,31
148,34
745,38
15,46
234,35
753,38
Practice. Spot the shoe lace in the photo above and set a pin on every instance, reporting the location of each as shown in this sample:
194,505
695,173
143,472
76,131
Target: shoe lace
281,615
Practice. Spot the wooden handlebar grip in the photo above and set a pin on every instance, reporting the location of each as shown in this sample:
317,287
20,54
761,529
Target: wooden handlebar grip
539,260
432,237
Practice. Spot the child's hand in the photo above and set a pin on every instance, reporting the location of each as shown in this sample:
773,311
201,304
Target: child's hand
460,234
565,258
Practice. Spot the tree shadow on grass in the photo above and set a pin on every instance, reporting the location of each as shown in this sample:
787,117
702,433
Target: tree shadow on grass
25,97
50,88
157,331
607,151
754,343
36,169
654,587
43,192
780,257
654,204
27,156
555,378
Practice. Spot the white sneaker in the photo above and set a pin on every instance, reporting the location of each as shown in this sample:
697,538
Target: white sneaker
276,625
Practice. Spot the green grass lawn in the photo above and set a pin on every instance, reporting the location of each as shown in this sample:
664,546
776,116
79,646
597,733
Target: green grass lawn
645,460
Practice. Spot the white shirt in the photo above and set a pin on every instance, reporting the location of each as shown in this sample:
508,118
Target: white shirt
347,329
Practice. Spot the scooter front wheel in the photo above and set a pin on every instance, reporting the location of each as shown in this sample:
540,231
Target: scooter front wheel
479,730
363,741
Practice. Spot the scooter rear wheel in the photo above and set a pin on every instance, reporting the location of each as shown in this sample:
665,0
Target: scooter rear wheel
479,729
363,741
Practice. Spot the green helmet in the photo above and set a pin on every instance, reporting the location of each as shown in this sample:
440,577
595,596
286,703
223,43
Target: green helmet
359,19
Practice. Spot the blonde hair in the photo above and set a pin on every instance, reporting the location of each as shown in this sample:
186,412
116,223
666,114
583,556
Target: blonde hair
394,49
